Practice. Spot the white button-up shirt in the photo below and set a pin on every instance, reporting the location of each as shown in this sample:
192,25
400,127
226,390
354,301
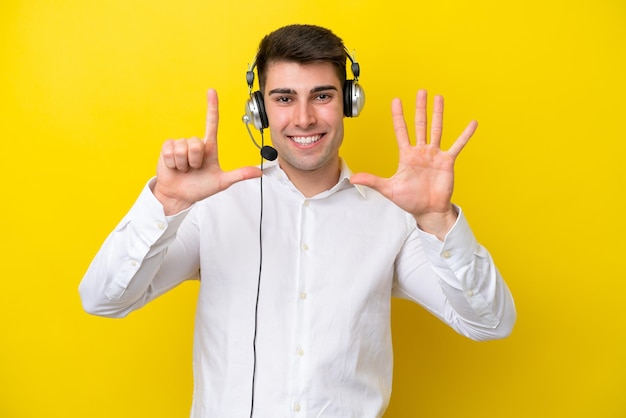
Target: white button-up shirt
330,265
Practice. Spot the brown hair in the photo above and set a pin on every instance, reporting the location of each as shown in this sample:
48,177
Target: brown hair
302,44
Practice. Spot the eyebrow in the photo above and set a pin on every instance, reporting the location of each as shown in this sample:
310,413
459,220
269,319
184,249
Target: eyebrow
292,91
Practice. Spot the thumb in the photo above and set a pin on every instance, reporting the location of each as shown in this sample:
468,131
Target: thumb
369,180
228,178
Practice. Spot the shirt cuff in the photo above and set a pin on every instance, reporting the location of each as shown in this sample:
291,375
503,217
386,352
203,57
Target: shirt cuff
149,219
458,247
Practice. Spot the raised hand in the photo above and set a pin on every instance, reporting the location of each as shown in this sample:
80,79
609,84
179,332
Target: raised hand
188,169
424,181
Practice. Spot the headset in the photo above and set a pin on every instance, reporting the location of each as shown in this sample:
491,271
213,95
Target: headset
353,97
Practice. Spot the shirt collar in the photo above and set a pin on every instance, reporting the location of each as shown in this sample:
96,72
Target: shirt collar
272,169
344,177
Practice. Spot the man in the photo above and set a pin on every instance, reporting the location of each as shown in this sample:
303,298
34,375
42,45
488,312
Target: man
295,320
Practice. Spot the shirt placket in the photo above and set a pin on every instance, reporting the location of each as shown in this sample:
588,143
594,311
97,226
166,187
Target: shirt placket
302,344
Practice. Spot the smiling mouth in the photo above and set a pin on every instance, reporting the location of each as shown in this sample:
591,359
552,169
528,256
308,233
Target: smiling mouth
305,140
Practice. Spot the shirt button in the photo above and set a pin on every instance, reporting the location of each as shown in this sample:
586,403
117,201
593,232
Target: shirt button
296,407
470,293
446,254
160,225
300,352
306,203
303,295
305,247
133,263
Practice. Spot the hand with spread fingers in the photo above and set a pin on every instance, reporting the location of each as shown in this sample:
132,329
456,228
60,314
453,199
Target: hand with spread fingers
188,169
424,181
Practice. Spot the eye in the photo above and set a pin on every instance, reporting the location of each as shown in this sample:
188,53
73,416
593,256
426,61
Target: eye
283,99
323,97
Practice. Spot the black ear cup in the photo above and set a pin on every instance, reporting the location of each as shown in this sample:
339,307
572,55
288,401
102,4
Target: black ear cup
353,98
255,111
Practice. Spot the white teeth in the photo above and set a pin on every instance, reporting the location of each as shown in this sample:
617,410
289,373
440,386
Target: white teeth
306,140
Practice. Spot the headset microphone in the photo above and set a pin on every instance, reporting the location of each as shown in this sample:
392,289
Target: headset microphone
267,152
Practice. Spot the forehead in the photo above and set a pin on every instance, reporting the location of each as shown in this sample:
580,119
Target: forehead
293,74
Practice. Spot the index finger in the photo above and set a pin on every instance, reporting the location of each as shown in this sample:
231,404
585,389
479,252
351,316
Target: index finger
212,117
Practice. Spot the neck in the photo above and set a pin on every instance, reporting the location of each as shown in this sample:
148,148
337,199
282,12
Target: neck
313,182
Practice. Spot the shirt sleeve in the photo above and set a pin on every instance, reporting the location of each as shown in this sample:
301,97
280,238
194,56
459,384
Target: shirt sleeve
146,255
457,281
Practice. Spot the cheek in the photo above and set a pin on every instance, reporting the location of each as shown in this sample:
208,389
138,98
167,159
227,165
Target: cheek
335,119
276,119
332,114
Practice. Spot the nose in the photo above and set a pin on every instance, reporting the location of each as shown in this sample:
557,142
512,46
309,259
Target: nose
304,115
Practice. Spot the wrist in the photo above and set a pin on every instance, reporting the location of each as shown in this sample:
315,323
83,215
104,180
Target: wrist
437,223
171,204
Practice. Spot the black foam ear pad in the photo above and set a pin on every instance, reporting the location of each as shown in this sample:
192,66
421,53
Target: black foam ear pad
347,98
258,97
255,111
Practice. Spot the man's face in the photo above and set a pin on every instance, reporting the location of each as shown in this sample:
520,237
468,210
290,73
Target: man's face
304,105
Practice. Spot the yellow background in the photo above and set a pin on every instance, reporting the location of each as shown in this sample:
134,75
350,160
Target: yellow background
90,90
